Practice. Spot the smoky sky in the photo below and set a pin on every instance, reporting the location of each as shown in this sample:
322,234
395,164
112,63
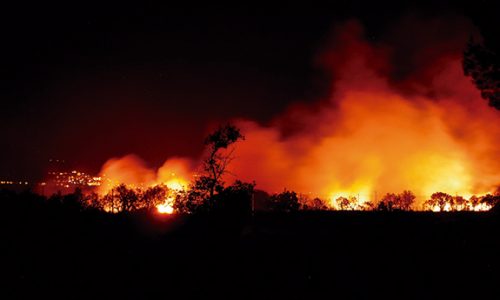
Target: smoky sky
84,82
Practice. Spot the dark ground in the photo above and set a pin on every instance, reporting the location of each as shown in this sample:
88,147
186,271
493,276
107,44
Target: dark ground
58,253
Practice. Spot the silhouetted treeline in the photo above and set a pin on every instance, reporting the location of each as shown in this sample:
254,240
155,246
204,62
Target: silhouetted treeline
56,248
209,194
242,199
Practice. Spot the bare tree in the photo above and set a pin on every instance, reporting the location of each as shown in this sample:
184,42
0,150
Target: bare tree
219,156
200,195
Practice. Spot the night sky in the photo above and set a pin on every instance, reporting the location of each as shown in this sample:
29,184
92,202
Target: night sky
85,82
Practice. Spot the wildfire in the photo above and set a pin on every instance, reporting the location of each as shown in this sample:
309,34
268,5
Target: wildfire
132,172
476,207
167,207
427,132
359,192
177,185
431,132
481,207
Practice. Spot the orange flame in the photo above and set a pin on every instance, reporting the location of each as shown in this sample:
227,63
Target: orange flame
372,137
133,172
427,132
166,207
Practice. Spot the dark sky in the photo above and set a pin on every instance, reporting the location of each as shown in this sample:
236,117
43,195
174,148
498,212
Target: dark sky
86,82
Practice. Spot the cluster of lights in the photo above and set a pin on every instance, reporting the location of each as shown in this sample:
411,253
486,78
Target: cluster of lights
9,182
74,178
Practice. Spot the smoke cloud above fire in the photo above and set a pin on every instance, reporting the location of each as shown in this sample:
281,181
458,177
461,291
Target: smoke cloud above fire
133,171
400,116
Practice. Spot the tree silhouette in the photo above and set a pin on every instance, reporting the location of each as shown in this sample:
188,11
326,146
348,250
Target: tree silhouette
127,198
235,199
382,206
483,66
319,204
343,203
368,205
183,204
110,202
219,156
92,201
459,203
473,201
389,202
74,201
402,201
316,203
439,200
406,200
200,195
287,201
490,200
55,200
351,203
153,196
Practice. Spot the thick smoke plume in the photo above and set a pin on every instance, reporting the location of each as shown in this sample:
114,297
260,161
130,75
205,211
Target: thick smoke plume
391,123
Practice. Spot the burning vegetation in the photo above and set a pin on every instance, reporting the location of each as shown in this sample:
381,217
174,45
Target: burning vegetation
207,191
430,131
427,133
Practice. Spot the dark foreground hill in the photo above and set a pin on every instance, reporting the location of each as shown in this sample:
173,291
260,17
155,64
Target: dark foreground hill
61,253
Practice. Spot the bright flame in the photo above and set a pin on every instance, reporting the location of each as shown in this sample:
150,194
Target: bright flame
359,191
165,208
467,207
426,131
431,132
481,207
177,184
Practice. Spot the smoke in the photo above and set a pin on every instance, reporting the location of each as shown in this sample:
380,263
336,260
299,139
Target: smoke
401,116
133,171
426,131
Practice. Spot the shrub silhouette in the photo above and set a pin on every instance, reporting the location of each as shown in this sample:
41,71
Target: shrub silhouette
287,201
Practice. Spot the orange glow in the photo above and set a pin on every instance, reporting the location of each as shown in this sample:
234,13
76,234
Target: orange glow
371,138
133,172
477,207
177,184
429,132
166,208
481,207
